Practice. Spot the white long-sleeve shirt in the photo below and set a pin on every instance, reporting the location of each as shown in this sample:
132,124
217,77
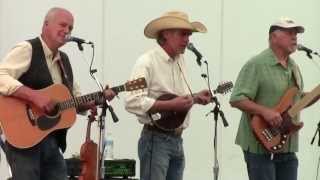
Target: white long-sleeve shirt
162,75
18,61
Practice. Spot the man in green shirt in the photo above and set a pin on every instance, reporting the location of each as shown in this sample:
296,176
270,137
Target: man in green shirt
261,83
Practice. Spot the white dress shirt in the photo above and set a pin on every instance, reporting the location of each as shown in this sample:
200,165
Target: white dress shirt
163,76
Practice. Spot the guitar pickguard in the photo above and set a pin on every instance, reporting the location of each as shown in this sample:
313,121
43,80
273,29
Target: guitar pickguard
47,122
44,122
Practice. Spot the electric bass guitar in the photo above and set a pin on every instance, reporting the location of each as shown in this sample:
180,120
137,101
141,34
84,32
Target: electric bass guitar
274,138
25,125
171,120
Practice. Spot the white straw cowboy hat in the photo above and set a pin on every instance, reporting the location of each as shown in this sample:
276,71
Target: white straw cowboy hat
172,20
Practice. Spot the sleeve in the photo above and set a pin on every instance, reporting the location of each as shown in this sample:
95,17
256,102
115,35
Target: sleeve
14,64
138,102
246,85
76,89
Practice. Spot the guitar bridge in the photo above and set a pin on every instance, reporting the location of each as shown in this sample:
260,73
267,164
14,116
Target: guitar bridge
31,116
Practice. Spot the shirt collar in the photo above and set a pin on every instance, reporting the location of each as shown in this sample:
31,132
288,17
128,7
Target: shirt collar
273,59
47,51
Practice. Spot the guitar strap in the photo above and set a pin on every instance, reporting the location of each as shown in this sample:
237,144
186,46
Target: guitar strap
297,76
65,76
184,79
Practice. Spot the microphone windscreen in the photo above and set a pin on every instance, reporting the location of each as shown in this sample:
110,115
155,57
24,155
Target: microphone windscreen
68,38
190,46
300,47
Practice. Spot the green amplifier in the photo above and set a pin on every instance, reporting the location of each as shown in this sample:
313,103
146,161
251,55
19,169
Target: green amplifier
123,168
120,168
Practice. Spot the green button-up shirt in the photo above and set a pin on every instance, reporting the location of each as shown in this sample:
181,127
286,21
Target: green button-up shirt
264,80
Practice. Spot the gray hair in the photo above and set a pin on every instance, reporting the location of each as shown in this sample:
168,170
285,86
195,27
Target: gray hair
51,13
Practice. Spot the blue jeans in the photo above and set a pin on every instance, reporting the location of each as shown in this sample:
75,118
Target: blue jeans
284,166
41,162
161,156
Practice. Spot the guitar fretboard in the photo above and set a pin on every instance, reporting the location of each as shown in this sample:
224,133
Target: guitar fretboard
78,101
118,89
96,96
297,107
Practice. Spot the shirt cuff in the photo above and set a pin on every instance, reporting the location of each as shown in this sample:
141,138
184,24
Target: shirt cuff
9,89
147,103
238,98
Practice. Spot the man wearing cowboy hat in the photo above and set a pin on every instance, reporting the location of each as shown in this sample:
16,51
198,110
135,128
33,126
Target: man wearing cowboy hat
161,152
261,83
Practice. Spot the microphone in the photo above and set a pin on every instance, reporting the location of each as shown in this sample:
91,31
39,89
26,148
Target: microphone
308,51
77,40
300,47
196,52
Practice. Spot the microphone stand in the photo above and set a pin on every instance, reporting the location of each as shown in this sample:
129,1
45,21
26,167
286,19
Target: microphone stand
217,112
313,138
315,134
101,123
313,52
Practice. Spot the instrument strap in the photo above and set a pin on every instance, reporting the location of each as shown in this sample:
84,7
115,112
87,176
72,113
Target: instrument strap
184,79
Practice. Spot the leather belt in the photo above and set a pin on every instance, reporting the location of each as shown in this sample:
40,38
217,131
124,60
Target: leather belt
177,132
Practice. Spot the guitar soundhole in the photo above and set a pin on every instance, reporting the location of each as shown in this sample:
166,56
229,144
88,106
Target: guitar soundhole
50,120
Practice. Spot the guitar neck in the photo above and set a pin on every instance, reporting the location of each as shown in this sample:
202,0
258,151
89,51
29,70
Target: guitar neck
79,101
118,89
307,99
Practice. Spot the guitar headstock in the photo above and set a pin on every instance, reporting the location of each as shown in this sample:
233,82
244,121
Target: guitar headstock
136,84
224,88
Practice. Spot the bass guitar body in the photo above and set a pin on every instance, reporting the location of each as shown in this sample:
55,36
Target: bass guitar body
274,138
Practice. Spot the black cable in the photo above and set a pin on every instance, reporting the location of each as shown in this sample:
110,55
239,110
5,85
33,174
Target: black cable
151,152
92,71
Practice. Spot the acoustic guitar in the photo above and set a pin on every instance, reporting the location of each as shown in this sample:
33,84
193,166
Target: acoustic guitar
25,125
171,120
274,139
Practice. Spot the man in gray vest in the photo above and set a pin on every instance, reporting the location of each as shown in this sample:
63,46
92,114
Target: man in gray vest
36,64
